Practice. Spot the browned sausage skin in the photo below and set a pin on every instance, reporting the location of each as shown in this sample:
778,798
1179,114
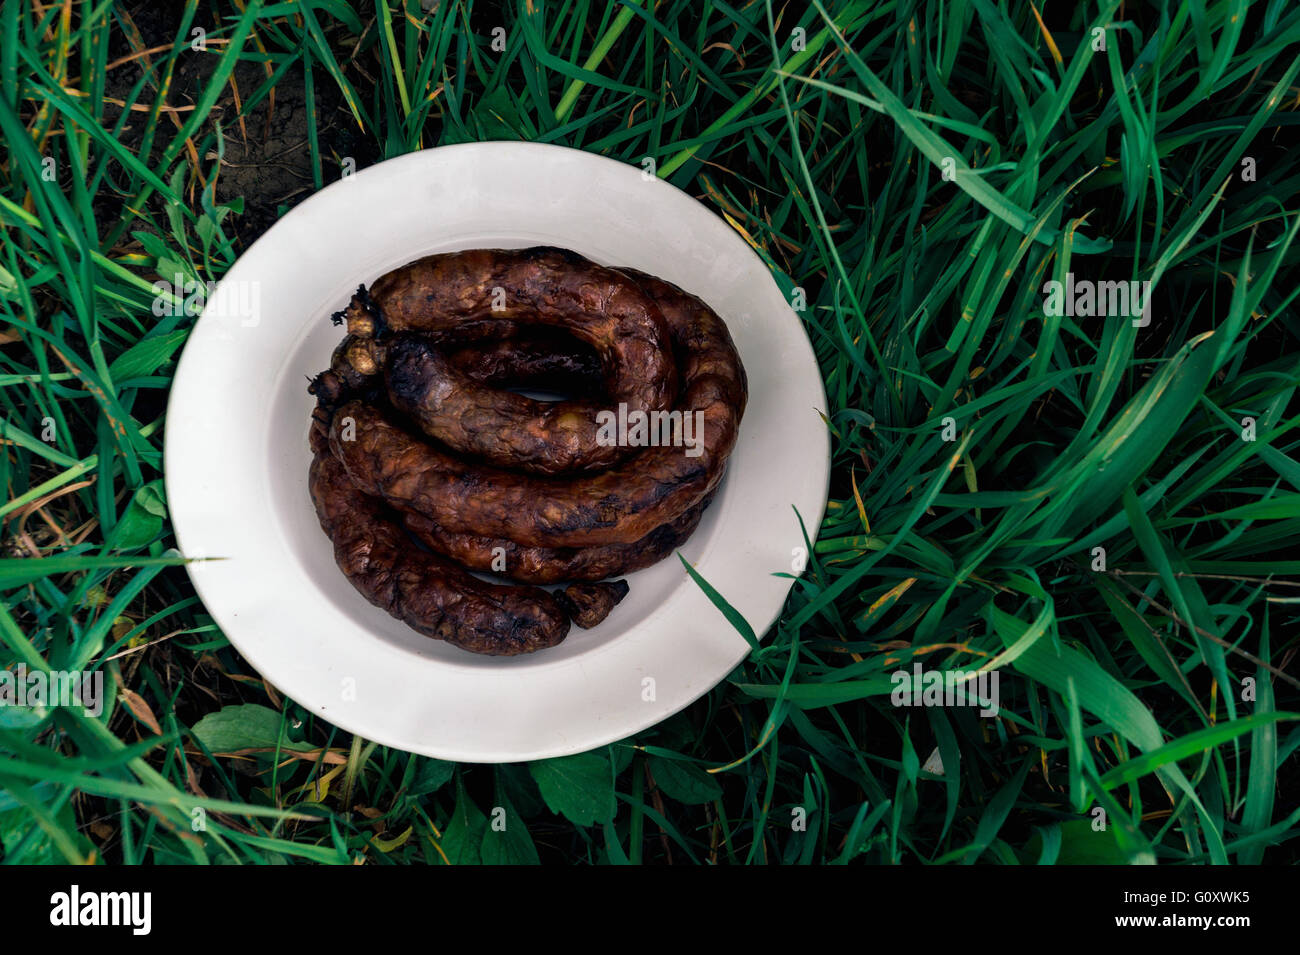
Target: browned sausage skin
527,359
498,426
620,505
466,295
449,395
492,293
589,604
548,565
425,591
374,482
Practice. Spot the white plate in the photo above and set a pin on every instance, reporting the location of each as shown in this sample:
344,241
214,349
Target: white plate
237,458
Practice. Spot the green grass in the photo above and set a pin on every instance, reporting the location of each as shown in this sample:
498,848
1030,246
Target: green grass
1156,692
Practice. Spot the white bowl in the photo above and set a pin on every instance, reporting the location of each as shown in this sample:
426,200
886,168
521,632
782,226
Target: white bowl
237,458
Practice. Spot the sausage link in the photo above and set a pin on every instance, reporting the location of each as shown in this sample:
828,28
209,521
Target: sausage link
526,359
498,426
374,483
548,565
620,505
425,591
589,604
487,293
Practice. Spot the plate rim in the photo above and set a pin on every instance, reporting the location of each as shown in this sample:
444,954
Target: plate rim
222,614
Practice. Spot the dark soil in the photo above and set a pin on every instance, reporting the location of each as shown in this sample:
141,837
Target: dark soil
266,155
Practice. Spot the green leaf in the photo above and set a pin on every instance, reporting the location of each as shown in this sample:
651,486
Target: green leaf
1141,431
497,115
143,520
431,775
731,613
243,726
1081,844
463,836
506,840
1102,694
15,717
579,787
521,788
1261,791
150,497
146,356
684,781
21,570
1193,744
58,841
812,695
620,756
8,284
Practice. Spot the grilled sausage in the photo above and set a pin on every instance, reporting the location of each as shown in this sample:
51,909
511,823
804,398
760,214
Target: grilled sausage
374,482
619,505
547,565
450,396
526,359
498,426
532,359
425,591
589,604
483,292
